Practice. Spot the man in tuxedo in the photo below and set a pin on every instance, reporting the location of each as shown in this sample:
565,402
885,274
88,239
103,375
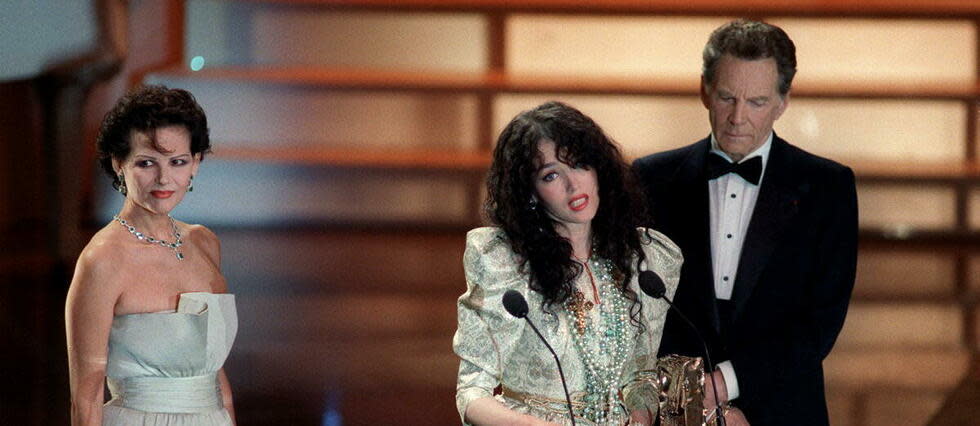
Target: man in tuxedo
768,232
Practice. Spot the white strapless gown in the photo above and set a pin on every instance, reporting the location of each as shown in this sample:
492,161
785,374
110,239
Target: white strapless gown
162,367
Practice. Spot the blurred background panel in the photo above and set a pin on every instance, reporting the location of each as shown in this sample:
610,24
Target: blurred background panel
639,124
351,139
280,33
975,210
898,130
875,51
621,46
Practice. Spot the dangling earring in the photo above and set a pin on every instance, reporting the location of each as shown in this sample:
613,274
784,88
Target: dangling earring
122,184
190,187
533,205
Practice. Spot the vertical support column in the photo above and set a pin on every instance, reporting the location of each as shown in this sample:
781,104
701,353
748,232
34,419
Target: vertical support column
973,108
962,289
963,213
162,44
859,408
156,41
972,114
970,312
62,91
496,66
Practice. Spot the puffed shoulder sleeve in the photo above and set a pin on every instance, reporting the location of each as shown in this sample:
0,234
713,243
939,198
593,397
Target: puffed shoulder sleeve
663,257
486,334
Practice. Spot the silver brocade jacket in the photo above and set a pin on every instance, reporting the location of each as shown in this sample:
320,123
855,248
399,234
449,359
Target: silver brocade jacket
496,349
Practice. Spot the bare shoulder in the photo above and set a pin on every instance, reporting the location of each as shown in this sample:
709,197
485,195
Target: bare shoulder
201,232
99,268
209,243
205,237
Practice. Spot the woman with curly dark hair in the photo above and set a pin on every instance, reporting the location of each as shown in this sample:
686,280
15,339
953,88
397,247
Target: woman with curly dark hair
568,238
148,310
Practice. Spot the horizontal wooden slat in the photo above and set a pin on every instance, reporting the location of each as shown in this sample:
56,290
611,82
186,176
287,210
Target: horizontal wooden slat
743,7
499,82
917,171
462,160
930,369
905,274
345,261
902,325
949,239
368,159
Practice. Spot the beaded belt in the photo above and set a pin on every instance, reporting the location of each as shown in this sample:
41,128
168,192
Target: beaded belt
552,405
197,394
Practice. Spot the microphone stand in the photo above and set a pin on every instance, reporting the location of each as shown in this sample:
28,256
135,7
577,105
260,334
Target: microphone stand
516,305
568,399
653,286
714,387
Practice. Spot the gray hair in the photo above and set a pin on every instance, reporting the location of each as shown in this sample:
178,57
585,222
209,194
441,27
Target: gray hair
751,40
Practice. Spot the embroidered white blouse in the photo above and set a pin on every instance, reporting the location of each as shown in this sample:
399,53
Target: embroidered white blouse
496,349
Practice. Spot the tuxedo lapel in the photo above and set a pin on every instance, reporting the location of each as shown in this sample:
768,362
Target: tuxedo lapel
778,202
691,184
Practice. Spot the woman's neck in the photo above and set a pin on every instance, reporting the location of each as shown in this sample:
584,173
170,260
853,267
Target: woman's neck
580,237
156,225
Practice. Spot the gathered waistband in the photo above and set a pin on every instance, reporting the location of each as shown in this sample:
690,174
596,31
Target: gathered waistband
196,394
578,399
554,405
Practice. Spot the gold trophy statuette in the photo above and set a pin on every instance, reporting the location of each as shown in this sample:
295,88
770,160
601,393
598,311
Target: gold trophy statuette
680,381
674,392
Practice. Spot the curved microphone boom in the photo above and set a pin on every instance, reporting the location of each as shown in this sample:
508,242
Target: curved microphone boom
653,286
516,305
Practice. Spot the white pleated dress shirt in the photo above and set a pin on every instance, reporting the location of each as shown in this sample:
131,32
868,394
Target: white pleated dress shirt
731,201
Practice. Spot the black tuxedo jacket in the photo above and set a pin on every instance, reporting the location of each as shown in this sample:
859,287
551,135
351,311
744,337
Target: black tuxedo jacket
793,283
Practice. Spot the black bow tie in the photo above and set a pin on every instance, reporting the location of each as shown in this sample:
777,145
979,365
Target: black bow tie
750,170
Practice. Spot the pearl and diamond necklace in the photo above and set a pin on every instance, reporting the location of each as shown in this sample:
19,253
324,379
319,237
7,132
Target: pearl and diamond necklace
150,240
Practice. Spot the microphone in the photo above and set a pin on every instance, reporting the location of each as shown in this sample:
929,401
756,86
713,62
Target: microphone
653,286
516,305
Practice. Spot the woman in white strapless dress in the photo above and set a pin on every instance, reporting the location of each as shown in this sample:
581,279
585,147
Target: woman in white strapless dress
148,309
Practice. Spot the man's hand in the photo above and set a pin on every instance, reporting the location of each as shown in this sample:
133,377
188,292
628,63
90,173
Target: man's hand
735,417
709,395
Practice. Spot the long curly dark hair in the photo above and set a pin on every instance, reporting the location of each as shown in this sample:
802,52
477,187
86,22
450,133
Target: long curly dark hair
546,255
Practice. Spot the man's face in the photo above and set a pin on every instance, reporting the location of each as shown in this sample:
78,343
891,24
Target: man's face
743,103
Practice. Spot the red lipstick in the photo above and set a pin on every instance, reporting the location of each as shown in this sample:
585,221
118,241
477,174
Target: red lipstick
161,194
579,202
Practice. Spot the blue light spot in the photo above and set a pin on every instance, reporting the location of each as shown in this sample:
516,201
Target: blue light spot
197,63
331,415
332,418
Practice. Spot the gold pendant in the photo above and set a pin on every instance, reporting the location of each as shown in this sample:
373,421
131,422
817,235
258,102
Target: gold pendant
580,307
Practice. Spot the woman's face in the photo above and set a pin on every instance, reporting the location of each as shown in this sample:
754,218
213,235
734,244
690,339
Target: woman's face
569,193
157,181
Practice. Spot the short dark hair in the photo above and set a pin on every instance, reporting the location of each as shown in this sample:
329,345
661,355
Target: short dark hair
751,40
145,109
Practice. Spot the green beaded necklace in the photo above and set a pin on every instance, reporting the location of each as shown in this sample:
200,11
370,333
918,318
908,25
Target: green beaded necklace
611,335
